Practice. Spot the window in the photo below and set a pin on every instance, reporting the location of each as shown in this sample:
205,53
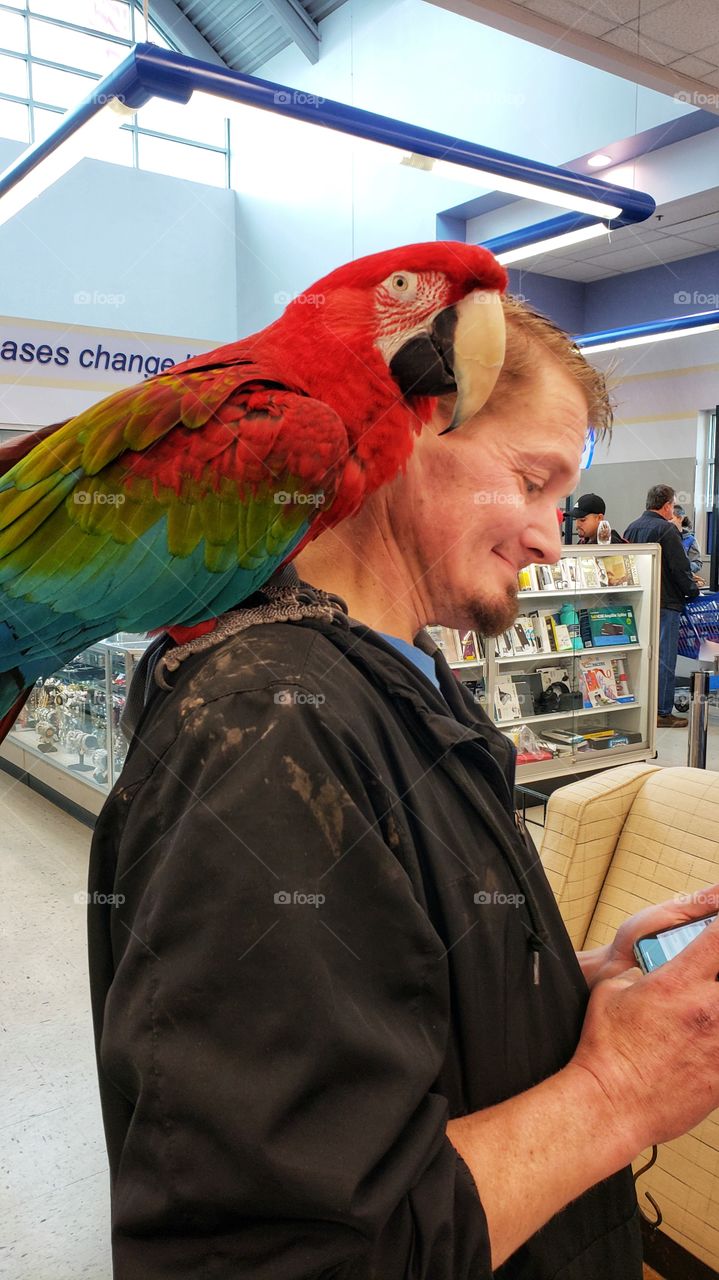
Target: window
49,63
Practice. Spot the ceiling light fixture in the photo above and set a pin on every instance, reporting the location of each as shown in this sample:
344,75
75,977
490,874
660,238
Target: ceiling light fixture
150,71
651,331
554,242
599,161
512,186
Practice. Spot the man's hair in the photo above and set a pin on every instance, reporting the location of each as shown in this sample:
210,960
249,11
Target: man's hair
528,332
659,495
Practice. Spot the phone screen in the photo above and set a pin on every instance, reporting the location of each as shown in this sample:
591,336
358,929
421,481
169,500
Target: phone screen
664,946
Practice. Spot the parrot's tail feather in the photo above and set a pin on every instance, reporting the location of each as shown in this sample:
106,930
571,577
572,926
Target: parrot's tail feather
7,721
19,446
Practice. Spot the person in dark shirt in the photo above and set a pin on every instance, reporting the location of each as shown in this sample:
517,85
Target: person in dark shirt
677,587
588,513
340,1026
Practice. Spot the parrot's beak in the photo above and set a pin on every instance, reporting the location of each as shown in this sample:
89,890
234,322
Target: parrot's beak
462,351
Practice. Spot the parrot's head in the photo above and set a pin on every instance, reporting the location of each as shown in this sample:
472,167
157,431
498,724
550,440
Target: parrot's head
380,337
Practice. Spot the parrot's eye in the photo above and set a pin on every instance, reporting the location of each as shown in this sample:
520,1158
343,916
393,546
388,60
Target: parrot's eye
403,285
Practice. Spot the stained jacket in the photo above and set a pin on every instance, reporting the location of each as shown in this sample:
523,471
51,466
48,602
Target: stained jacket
677,584
328,937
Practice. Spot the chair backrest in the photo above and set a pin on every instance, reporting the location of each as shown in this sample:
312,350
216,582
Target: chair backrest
669,844
583,824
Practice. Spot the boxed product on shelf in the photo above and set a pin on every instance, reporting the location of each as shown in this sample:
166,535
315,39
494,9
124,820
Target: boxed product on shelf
605,739
506,701
503,645
588,572
527,578
597,683
555,691
608,624
523,641
541,632
447,640
566,738
523,690
559,635
621,679
469,647
545,577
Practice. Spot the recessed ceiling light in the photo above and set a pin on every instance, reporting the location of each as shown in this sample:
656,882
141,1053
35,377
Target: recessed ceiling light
599,160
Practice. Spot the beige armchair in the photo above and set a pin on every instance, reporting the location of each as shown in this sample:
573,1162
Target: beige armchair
612,844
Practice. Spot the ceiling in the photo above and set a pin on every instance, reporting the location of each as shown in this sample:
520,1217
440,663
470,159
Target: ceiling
246,33
668,45
680,229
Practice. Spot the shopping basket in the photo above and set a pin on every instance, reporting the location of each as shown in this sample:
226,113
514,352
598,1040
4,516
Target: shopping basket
699,622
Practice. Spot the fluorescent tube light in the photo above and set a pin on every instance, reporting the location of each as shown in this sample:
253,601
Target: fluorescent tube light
640,339
511,186
554,242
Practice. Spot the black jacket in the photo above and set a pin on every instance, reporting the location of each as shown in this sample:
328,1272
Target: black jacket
678,585
325,948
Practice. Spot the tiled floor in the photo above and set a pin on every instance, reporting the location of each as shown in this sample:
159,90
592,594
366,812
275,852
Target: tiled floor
54,1200
53,1188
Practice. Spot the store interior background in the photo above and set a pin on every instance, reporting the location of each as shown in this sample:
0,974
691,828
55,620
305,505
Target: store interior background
208,263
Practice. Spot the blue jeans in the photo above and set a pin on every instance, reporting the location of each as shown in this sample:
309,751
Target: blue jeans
668,641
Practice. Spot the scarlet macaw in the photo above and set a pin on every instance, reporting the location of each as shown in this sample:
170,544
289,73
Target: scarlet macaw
170,502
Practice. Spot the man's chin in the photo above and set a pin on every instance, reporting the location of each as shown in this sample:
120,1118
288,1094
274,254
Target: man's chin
492,617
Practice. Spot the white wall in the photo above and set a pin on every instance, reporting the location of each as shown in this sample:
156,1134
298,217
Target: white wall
165,245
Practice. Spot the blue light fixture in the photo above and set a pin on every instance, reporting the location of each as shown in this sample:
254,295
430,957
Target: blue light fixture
651,331
149,72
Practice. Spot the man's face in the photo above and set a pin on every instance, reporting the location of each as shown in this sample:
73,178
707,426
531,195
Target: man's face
477,505
587,525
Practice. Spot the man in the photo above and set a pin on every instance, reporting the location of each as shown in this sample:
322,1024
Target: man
677,586
587,513
340,1026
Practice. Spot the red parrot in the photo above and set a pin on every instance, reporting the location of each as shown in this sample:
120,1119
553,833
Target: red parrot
172,501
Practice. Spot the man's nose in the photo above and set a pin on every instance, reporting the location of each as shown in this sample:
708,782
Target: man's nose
542,535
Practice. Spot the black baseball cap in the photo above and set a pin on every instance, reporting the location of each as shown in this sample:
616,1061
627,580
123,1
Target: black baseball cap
590,504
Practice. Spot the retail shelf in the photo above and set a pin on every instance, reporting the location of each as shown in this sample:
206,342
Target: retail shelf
574,714
578,593
571,653
466,666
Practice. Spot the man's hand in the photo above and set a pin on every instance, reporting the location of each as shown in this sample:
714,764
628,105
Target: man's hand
646,1070
652,1041
617,957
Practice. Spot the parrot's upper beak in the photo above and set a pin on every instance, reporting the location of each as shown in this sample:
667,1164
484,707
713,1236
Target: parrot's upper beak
462,351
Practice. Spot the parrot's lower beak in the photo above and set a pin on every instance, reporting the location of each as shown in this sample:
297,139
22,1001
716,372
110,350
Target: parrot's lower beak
462,351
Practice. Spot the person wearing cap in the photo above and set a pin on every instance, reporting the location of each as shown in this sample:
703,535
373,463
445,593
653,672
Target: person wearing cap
677,587
588,512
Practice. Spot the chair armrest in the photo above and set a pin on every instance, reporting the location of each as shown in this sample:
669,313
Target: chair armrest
583,824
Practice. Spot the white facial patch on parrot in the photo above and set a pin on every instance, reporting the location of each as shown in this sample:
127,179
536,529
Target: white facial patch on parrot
405,305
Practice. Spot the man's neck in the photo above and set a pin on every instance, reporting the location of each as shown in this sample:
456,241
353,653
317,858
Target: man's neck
381,598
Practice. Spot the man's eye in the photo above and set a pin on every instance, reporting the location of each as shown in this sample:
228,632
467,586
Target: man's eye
533,486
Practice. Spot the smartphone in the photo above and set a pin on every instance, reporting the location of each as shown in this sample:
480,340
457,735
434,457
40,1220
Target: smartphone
656,948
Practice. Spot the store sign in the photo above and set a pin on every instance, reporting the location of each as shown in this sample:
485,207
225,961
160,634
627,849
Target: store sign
51,371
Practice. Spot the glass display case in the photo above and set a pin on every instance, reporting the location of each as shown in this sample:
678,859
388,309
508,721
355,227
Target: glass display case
72,718
574,681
